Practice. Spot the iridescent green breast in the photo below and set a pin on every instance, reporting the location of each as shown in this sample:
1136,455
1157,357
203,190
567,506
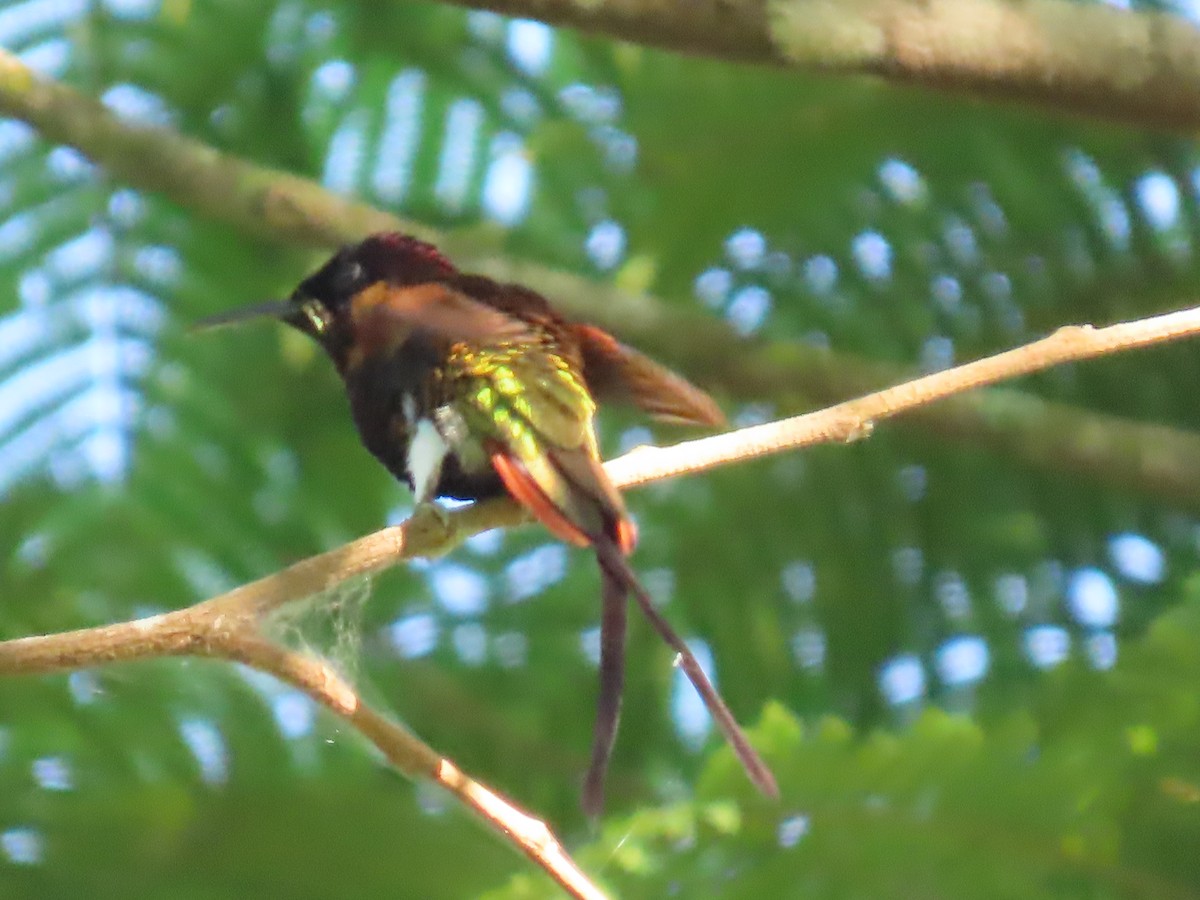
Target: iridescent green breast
525,397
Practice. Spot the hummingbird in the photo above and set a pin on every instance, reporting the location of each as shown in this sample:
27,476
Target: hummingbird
468,388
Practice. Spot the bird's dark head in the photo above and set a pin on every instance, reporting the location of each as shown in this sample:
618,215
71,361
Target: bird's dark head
321,304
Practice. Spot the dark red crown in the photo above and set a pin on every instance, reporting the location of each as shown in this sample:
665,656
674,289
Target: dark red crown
400,254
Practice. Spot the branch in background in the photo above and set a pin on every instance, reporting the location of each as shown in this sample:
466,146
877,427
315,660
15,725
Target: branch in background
1151,459
1138,68
254,199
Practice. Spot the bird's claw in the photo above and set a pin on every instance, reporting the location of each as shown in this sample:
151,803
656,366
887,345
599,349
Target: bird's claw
432,517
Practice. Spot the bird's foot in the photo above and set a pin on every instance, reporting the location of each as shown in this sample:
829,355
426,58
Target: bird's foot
432,520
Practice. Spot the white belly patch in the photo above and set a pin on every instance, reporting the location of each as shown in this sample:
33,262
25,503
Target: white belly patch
426,451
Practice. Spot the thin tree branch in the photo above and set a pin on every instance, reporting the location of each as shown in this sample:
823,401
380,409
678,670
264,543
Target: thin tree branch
1151,459
855,419
412,756
228,627
1144,458
1140,68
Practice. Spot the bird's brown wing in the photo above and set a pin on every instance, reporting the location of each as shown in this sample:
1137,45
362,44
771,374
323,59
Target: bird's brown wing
617,372
385,315
614,372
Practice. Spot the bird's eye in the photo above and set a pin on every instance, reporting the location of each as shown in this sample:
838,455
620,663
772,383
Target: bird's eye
317,315
349,278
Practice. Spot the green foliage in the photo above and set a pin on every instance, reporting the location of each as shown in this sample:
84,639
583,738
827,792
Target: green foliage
1057,800
144,467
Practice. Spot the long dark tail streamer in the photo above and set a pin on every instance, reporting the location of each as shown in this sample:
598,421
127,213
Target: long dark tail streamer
619,581
613,625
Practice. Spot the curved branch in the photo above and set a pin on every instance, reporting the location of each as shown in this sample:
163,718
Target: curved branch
1140,68
413,757
228,627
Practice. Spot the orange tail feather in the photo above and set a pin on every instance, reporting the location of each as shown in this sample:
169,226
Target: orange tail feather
529,494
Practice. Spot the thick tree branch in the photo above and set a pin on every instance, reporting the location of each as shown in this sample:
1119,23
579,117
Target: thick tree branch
1088,58
1150,459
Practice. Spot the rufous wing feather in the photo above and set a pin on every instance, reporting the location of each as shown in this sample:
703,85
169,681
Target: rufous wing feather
617,372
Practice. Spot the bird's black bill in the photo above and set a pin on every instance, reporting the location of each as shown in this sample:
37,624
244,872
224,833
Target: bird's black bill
273,309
